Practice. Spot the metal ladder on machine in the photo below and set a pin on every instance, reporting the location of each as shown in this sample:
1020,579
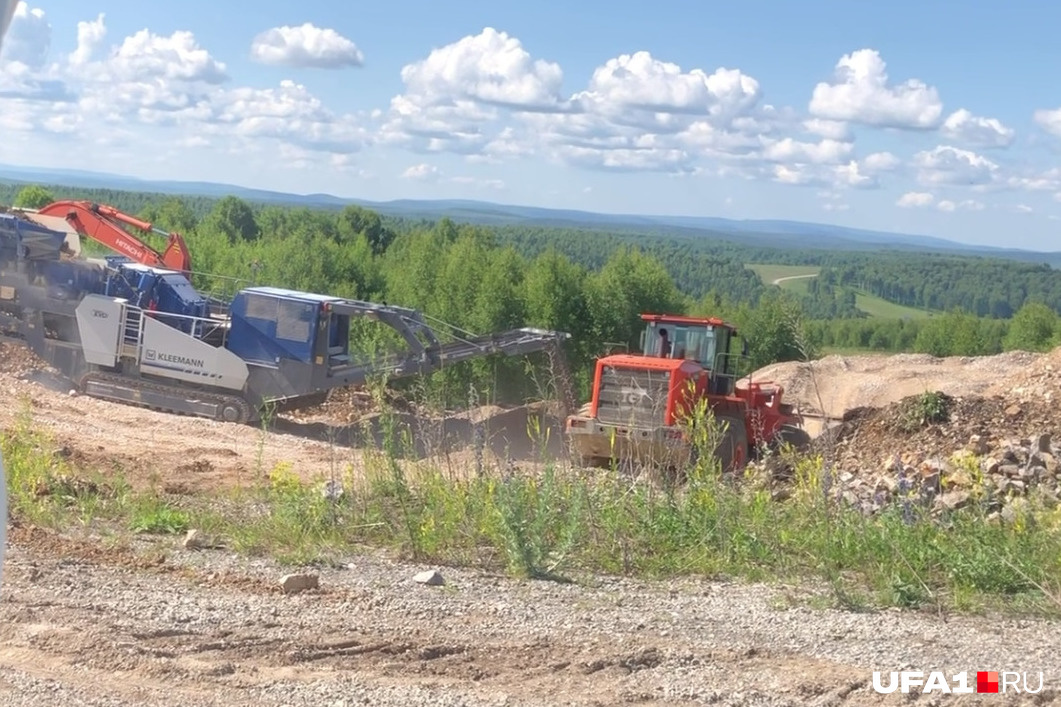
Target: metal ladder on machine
132,332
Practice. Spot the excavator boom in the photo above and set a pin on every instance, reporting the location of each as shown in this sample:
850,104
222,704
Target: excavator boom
103,224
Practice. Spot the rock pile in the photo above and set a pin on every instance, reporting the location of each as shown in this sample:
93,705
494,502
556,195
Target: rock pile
940,453
18,361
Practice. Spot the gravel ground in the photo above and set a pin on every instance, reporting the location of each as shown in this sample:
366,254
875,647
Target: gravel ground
83,623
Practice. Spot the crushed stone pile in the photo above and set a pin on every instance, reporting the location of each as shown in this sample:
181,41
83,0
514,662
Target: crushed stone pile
17,361
940,452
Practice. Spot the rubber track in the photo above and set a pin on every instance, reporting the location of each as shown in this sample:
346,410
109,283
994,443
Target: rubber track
174,391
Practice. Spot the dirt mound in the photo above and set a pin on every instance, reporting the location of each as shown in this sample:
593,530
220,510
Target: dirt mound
835,385
940,452
871,437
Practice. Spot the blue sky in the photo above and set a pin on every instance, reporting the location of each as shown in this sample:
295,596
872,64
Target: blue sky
934,117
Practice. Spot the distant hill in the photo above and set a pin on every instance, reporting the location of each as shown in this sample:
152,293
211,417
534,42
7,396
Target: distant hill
766,233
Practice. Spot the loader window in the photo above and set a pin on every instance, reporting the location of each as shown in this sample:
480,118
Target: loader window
693,343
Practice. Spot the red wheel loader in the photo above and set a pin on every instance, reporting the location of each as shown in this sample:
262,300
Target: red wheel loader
642,401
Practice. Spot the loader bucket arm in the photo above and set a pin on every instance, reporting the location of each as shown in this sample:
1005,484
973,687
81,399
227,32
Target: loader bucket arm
103,224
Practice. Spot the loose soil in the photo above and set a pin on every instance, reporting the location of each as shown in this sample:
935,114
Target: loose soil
83,621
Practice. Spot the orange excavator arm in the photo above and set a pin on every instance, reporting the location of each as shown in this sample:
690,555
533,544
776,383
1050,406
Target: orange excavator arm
103,223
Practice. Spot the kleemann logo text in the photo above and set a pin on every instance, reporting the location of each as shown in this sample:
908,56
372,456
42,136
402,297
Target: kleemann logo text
986,681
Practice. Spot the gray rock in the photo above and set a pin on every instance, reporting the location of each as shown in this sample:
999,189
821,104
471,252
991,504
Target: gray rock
295,583
432,578
1044,442
953,500
194,540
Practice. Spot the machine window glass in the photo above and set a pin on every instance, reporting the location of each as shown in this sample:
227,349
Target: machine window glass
707,349
293,321
259,307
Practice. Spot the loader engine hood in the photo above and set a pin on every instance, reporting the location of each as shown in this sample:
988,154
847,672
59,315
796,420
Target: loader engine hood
640,391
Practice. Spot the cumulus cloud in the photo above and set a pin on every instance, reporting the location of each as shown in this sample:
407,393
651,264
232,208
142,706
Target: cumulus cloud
825,152
490,67
913,199
967,205
880,162
832,129
963,126
641,82
454,97
861,92
1048,180
28,38
289,113
90,36
305,46
425,172
421,172
1049,120
174,83
950,165
487,97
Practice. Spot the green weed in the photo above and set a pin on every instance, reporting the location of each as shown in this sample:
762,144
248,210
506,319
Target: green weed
558,523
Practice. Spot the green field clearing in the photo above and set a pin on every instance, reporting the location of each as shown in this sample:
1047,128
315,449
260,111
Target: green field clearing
769,272
876,307
870,304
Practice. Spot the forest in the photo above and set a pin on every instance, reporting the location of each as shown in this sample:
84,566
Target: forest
594,283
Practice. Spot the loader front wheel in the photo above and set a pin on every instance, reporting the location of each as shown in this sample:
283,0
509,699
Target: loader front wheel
732,450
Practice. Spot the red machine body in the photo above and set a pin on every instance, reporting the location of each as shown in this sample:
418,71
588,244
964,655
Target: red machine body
640,399
105,224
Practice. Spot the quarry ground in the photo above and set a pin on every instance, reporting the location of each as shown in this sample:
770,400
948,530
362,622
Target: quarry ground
85,619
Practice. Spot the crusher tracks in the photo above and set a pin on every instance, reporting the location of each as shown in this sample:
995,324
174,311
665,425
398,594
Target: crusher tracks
165,398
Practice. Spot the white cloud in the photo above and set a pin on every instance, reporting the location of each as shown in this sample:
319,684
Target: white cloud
854,175
825,152
454,95
90,35
486,97
425,172
490,67
169,82
1023,209
289,113
963,126
306,46
832,129
913,199
880,162
146,57
640,82
421,172
28,38
1049,120
1049,180
950,165
968,204
861,93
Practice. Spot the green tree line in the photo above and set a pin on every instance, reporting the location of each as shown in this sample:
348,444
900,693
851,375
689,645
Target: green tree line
591,284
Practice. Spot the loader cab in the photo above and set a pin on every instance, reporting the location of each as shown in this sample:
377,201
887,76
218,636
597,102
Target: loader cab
707,341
